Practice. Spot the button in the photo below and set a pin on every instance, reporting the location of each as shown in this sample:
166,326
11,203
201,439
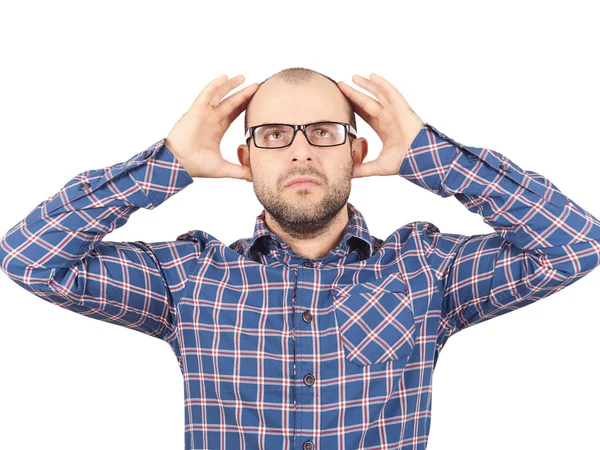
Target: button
308,445
308,264
307,316
84,186
505,168
308,379
147,154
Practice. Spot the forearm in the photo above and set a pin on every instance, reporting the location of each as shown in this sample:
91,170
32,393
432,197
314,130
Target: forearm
522,206
542,242
69,225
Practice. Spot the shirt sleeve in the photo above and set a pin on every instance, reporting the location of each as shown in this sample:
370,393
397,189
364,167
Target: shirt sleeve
56,252
542,240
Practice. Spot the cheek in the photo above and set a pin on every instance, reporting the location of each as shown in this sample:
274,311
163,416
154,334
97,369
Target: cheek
265,175
344,167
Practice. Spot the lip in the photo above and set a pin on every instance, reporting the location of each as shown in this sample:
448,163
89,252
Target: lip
303,182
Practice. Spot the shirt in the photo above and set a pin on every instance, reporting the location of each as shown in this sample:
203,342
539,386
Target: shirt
278,351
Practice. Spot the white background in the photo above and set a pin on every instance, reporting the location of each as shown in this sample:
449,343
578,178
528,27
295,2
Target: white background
88,85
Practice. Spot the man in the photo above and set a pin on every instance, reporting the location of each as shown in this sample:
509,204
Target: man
311,333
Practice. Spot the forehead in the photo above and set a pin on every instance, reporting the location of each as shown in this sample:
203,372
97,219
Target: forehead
314,100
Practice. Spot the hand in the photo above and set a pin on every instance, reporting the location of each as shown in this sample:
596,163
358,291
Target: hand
195,139
391,117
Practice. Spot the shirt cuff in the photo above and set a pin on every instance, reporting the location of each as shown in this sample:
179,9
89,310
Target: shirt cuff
428,158
160,175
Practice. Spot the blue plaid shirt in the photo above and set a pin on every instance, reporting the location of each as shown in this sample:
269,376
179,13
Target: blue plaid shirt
278,351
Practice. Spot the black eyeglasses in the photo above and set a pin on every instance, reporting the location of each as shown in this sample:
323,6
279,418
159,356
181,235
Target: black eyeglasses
320,134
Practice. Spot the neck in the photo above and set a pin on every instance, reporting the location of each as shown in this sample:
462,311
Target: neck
318,246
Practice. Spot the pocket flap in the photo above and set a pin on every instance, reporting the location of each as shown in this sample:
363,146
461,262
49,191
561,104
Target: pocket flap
375,320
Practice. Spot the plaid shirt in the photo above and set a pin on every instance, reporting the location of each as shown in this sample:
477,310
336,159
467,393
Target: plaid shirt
281,352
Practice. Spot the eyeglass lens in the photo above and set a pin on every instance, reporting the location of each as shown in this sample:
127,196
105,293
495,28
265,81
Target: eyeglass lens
319,134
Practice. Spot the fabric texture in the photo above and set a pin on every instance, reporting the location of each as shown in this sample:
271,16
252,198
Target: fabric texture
282,352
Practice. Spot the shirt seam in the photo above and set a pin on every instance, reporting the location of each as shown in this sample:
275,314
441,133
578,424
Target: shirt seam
186,287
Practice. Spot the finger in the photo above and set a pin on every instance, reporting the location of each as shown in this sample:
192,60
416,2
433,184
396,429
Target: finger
373,88
367,169
231,170
391,91
233,105
367,107
224,89
206,94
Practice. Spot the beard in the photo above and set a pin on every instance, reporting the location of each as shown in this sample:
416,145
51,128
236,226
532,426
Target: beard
297,213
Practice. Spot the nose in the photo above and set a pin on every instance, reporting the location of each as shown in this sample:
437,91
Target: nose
302,149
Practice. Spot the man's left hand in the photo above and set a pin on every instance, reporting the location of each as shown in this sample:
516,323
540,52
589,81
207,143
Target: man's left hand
394,121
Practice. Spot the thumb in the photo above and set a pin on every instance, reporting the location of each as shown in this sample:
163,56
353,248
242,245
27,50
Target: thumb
367,169
238,171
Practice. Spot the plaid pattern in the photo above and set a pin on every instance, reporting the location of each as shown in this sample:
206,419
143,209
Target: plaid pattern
281,352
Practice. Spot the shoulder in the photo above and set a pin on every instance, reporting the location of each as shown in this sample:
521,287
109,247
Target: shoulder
412,230
201,240
237,246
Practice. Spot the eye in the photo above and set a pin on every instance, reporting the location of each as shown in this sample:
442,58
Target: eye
277,134
273,133
322,132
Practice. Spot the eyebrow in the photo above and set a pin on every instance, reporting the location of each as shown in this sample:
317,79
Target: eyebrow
313,121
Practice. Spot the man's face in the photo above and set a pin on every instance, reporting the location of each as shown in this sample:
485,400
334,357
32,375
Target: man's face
307,211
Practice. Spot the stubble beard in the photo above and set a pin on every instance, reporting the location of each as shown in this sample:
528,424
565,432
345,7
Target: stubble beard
295,211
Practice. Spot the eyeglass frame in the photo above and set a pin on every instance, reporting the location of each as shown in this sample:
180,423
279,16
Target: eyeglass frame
349,129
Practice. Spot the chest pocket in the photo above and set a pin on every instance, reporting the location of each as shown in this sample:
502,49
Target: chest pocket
375,320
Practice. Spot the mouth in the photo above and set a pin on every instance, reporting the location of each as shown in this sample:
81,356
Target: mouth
303,182
300,184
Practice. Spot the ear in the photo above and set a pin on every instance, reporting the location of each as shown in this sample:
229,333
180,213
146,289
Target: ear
243,155
360,148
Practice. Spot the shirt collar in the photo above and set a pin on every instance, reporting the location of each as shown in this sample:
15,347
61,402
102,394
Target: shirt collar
356,234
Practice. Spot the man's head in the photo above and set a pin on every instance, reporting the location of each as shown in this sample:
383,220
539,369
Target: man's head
299,96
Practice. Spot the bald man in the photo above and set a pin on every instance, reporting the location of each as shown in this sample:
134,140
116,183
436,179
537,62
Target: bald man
311,333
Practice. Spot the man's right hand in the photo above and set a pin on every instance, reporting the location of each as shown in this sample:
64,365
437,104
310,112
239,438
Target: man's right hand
195,140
